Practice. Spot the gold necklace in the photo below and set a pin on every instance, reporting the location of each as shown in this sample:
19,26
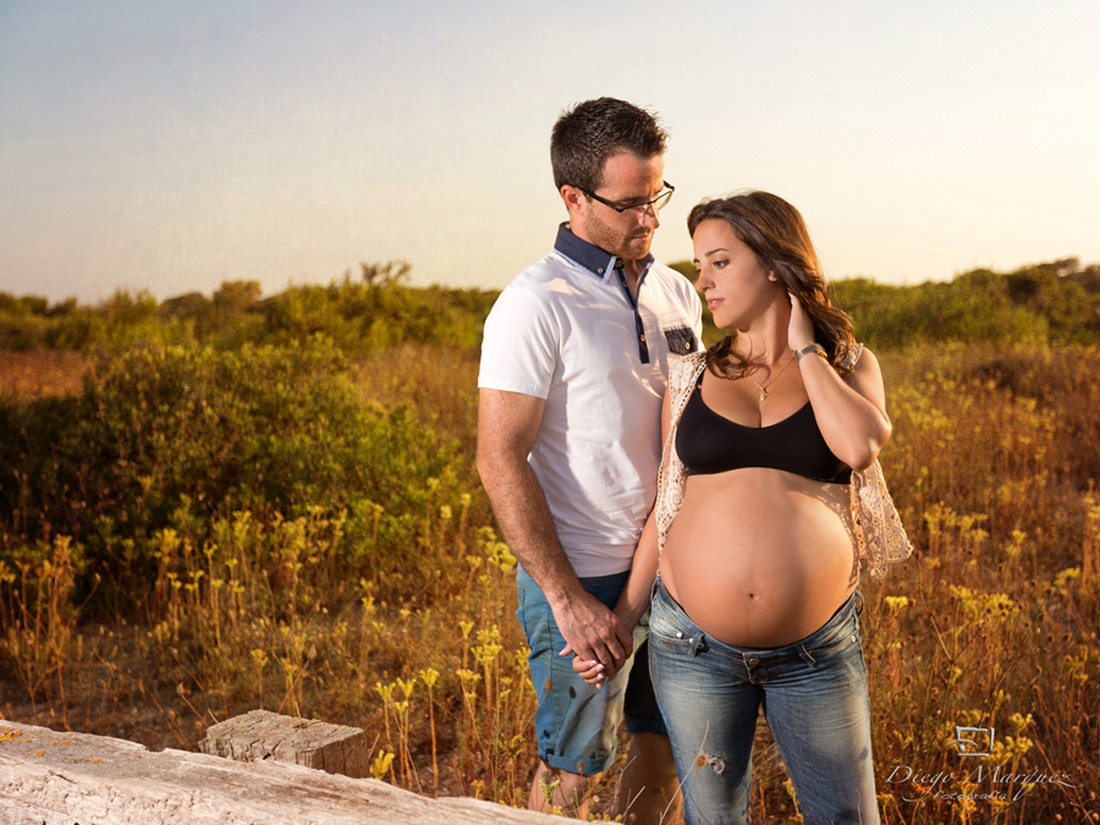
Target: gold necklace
764,387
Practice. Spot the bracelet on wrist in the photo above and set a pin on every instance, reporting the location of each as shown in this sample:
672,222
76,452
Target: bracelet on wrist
820,350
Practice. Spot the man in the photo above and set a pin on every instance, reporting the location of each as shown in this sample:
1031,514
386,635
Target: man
573,370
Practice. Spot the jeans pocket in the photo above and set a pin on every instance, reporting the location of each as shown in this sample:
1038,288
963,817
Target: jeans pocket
663,626
668,628
839,645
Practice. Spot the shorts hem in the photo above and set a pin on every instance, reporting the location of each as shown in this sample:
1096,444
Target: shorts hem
582,767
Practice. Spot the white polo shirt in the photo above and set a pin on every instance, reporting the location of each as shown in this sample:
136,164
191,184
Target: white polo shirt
567,330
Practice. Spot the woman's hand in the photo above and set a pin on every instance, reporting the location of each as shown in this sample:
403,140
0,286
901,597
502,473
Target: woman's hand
590,670
800,330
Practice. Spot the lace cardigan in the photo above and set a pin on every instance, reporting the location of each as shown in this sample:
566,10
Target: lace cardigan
880,537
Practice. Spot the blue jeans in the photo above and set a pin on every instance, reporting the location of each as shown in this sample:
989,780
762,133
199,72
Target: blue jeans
814,696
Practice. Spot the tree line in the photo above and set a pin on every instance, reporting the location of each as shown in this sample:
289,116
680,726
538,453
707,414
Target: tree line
1047,303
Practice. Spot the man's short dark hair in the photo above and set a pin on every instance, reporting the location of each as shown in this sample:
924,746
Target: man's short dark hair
586,136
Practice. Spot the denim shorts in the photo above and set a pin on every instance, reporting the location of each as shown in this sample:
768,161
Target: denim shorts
813,694
577,724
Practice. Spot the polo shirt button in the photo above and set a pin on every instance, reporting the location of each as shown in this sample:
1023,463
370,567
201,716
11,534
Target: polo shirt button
642,338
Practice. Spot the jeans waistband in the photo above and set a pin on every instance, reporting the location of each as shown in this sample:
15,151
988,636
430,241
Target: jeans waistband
835,626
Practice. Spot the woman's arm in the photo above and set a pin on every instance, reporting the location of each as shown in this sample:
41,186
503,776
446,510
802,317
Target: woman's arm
634,600
850,411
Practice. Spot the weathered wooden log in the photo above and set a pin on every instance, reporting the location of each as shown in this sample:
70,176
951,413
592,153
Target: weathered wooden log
52,778
261,734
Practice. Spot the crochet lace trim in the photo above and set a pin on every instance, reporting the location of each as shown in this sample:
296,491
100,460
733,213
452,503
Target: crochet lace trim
880,537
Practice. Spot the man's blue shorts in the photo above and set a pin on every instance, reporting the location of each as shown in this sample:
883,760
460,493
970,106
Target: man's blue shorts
577,724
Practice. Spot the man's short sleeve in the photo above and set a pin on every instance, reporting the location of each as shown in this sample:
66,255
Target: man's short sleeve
520,349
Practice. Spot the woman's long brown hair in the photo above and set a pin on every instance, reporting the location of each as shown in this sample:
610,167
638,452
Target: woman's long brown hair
774,230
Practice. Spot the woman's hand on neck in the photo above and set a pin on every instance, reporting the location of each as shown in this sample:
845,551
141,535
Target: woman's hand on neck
800,326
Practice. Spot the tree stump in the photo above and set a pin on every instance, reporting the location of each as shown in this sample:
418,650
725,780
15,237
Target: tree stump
260,735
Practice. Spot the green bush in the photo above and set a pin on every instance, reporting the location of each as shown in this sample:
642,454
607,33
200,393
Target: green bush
363,317
178,437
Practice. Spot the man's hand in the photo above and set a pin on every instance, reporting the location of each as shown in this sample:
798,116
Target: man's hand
593,634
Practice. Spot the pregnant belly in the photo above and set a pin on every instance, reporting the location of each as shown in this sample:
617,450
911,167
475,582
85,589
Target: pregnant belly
760,558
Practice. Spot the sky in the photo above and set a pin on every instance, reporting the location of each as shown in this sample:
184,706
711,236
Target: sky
168,147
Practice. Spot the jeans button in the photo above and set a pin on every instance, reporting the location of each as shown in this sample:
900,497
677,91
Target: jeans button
754,661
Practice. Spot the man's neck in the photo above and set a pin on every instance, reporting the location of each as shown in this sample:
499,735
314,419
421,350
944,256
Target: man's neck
632,270
599,261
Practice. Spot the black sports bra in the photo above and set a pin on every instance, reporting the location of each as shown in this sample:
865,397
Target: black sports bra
709,443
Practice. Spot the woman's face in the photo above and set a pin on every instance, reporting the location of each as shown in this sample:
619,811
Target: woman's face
731,277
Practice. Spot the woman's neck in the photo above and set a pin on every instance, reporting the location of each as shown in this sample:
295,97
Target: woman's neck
760,347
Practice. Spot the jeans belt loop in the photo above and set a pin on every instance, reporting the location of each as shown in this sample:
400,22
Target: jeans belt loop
806,656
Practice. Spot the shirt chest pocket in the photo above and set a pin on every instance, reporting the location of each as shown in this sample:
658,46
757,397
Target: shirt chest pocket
681,340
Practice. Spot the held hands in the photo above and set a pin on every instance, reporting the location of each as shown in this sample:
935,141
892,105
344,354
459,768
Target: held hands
596,638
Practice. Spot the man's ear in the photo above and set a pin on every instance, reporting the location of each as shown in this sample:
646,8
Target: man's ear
572,197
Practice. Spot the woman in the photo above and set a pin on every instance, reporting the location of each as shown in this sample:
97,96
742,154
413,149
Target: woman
752,542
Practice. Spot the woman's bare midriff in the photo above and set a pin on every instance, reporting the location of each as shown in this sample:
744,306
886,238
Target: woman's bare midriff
760,558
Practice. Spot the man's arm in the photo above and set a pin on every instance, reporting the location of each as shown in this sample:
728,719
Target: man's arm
508,423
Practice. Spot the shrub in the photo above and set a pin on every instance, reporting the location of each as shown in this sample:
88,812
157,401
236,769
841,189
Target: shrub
174,437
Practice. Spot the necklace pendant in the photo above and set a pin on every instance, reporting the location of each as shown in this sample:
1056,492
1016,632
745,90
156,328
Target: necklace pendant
763,394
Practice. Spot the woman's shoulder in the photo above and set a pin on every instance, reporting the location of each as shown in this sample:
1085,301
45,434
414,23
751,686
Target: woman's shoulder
683,372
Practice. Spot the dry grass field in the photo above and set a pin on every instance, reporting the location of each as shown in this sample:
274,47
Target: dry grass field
982,647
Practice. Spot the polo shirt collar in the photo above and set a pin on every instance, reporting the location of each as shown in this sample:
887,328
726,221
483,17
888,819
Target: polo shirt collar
600,263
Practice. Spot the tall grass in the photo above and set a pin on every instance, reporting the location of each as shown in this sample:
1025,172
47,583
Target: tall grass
990,626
